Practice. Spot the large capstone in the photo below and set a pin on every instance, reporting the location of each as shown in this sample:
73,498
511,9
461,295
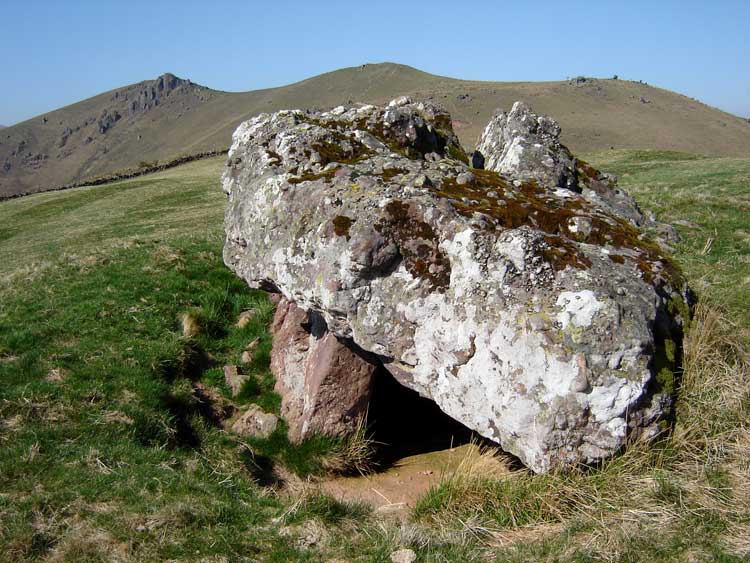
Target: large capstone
536,315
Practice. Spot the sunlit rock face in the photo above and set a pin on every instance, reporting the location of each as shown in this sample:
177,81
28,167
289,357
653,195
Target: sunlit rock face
529,311
526,146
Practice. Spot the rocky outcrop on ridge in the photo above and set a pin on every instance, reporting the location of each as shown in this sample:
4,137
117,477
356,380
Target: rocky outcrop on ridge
151,94
538,317
101,135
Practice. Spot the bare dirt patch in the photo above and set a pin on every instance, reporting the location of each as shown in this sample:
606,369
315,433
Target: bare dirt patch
397,489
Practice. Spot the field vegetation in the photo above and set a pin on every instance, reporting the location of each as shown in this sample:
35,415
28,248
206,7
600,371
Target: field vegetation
111,438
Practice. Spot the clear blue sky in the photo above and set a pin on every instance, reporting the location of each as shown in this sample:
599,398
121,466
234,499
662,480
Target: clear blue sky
56,53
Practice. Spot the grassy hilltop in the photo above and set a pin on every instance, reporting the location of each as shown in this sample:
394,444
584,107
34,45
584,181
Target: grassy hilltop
158,120
109,443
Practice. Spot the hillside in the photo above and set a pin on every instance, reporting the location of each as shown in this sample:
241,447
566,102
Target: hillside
167,117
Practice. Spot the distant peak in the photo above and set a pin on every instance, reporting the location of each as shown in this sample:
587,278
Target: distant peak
169,81
388,65
148,94
384,63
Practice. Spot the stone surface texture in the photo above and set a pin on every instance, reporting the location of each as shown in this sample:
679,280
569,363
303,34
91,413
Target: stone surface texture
524,146
255,423
325,387
530,312
234,379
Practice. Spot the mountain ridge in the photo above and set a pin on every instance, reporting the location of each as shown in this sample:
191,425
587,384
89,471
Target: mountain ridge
168,117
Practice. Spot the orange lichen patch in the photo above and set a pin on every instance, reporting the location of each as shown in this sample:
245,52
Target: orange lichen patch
375,128
587,171
374,125
512,207
509,207
331,151
624,235
562,253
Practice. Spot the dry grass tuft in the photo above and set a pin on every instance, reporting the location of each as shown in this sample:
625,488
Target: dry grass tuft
737,536
309,501
713,398
191,325
352,454
80,541
482,462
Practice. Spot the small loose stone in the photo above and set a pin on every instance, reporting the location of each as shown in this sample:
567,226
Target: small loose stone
403,556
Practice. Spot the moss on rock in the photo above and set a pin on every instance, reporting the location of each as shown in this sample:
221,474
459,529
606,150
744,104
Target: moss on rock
417,242
341,226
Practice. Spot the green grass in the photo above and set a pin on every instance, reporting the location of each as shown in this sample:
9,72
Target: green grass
95,288
706,199
94,220
124,460
124,440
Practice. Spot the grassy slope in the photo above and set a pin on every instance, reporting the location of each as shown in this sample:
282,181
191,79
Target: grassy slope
595,116
124,458
708,199
80,221
121,460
